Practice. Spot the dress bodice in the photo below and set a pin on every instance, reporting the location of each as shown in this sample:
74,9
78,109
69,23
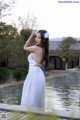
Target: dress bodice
32,62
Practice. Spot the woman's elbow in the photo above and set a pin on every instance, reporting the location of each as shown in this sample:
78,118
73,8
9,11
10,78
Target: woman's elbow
24,48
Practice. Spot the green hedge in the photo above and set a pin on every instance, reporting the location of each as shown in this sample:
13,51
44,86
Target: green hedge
4,74
50,67
78,67
20,73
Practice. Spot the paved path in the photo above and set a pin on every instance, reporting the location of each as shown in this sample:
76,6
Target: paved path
56,73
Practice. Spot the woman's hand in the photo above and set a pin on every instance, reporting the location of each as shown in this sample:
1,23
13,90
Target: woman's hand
34,33
32,37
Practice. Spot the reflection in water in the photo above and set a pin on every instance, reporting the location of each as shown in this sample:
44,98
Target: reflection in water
11,95
66,92
61,93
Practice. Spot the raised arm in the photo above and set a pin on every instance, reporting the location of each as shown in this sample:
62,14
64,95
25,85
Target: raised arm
27,46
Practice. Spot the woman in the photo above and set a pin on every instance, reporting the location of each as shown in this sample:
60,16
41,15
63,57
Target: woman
33,94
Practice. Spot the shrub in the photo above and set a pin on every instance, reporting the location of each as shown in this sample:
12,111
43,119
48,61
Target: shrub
78,67
4,74
19,73
50,67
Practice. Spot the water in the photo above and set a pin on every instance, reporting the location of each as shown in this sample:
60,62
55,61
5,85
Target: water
61,93
11,95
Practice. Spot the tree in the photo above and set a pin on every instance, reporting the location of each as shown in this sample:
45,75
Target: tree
8,35
28,23
25,33
11,46
66,46
5,8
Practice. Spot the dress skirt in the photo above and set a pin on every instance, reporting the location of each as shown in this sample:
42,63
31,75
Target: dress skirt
33,93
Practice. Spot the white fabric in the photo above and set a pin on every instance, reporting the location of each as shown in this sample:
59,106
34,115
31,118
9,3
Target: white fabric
46,35
33,94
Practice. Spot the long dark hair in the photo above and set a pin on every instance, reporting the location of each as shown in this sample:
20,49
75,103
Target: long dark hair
45,44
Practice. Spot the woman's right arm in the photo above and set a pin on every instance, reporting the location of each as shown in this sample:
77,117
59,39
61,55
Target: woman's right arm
27,46
28,42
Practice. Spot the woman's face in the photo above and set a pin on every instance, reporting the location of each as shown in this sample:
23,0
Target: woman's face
38,39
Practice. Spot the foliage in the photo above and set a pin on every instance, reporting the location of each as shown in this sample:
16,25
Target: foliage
28,23
78,67
4,74
25,33
66,46
67,43
50,67
31,114
11,42
20,73
11,45
5,8
8,39
7,32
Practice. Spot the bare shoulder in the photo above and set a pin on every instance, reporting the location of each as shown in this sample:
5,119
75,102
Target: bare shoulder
39,49
30,48
36,49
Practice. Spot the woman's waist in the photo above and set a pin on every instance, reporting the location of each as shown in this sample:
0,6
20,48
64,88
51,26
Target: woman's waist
31,67
35,65
36,69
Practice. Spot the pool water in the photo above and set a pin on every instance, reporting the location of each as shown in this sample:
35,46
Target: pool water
61,93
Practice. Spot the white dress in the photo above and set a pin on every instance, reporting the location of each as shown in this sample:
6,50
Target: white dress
33,94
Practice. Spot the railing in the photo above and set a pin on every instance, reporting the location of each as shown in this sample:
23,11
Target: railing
18,112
